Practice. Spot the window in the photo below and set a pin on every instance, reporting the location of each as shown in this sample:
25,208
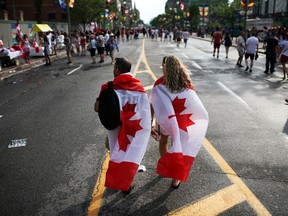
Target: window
2,5
64,17
51,17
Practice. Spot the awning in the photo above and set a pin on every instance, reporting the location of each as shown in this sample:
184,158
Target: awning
41,28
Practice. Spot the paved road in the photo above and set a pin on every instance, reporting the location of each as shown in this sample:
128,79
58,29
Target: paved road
53,155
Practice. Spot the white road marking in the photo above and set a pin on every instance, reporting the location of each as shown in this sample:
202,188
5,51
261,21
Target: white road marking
17,143
235,95
1,116
185,56
196,65
75,70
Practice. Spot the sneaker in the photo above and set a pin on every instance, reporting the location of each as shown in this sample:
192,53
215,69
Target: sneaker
217,56
237,64
286,100
240,65
250,70
247,68
266,72
213,54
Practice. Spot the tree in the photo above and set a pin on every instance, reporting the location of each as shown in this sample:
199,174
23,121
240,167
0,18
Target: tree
194,16
87,11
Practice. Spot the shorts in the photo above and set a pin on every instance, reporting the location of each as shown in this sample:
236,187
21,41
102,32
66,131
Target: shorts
178,39
216,45
92,52
241,52
112,53
100,50
185,41
247,55
283,59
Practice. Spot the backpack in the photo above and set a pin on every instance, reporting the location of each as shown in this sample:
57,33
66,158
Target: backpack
109,108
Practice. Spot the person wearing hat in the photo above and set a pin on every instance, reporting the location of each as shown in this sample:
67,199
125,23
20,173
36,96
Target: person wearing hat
112,47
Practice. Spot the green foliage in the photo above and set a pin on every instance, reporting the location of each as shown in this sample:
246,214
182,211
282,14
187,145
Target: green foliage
86,11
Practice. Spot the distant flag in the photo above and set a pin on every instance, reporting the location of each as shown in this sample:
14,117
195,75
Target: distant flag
18,31
182,6
63,4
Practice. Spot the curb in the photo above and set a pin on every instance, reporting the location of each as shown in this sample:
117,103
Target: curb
8,72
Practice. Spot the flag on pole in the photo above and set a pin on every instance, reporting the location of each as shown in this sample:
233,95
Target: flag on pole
129,141
183,116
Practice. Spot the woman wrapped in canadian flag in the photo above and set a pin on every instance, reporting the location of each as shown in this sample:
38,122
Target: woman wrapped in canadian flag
179,114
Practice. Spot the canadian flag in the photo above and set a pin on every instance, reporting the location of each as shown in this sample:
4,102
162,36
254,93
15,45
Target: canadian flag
18,31
36,46
129,141
183,116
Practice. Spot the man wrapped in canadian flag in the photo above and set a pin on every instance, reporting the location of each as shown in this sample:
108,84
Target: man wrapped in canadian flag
179,114
128,142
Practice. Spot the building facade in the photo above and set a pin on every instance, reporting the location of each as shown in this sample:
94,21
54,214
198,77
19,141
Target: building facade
51,11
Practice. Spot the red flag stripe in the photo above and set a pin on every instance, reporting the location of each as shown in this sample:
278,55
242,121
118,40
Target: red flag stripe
175,165
119,176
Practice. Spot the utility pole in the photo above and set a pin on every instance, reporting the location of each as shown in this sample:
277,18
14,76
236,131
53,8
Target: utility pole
245,18
68,17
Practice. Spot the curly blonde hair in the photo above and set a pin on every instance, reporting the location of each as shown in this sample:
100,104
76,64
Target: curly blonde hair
176,77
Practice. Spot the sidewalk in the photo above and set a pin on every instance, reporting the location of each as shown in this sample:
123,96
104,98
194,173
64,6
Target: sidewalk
34,61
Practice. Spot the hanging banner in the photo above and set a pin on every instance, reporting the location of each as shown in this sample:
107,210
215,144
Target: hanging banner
63,4
182,6
203,11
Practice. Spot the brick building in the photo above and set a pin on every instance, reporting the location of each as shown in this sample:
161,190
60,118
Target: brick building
51,10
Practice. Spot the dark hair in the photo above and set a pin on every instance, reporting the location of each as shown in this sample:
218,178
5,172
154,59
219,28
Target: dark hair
123,65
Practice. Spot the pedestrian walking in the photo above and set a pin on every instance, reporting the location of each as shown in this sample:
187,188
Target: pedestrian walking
101,48
216,41
180,114
67,42
47,50
93,47
227,43
284,56
26,48
240,48
128,142
83,43
251,50
271,52
113,47
77,42
185,37
178,37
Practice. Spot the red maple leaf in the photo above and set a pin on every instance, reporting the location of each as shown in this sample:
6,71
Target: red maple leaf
128,127
183,120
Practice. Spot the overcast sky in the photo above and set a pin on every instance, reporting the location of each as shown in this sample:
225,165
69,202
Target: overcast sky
150,8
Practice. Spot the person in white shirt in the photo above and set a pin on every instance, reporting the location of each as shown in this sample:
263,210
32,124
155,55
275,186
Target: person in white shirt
251,50
240,48
284,57
106,39
185,37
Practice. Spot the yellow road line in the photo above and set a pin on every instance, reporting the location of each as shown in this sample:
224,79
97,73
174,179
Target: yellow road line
213,204
148,87
143,56
251,198
99,189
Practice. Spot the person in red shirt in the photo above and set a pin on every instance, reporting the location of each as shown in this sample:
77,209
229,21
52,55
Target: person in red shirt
217,39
